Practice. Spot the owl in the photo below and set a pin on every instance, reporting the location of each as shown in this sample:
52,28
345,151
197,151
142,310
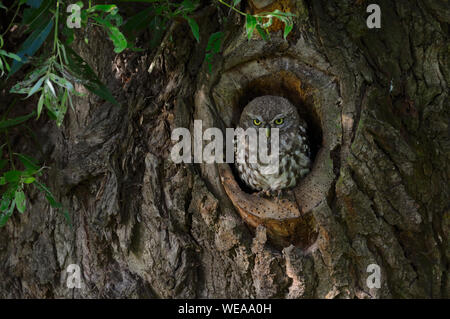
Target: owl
294,153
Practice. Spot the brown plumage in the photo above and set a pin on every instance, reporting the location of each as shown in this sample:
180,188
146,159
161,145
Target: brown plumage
294,154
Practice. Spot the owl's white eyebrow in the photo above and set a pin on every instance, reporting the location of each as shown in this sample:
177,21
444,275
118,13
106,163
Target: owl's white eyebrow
279,116
259,118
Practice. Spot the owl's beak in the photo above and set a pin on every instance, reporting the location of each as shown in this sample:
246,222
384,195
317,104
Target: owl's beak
268,131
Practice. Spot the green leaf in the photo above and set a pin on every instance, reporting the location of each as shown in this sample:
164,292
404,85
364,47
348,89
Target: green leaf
283,14
52,201
213,47
236,2
117,37
61,82
103,8
287,28
43,188
187,6
48,194
208,57
20,201
214,42
250,25
284,19
15,121
262,32
50,102
117,18
4,204
50,87
194,28
6,65
1,67
12,176
28,162
70,102
31,78
63,50
29,180
66,215
31,45
69,35
62,109
51,113
40,105
36,86
5,216
10,55
268,23
81,70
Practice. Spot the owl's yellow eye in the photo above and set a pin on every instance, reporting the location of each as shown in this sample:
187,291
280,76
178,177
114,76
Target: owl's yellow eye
279,121
257,122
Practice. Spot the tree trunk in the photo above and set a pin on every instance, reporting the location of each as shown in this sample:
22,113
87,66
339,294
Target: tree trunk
142,226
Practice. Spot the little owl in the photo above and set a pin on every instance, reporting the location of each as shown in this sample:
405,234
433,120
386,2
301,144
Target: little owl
294,155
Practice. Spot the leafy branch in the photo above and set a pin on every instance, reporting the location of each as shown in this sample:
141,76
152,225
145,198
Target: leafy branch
262,21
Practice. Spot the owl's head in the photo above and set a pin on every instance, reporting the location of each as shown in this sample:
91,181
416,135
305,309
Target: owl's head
270,111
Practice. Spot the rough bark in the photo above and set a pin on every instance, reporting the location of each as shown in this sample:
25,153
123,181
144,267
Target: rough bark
146,227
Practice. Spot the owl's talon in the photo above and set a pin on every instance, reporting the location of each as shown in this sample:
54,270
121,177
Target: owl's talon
280,196
263,193
285,194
